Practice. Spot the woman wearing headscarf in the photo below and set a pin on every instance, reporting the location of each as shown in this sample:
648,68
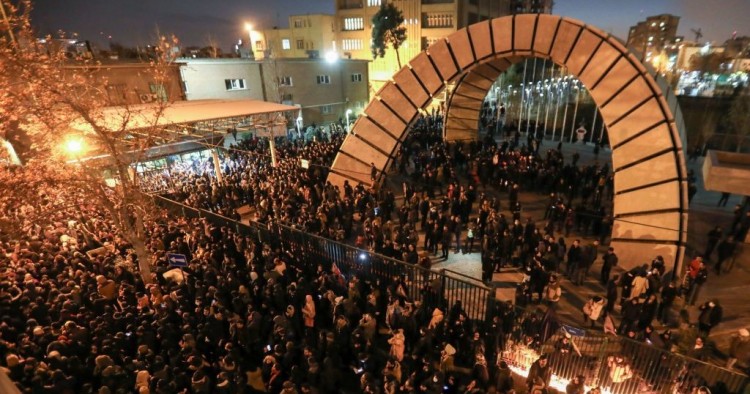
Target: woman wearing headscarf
397,345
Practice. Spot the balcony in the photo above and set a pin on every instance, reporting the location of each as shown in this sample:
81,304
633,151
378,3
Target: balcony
437,20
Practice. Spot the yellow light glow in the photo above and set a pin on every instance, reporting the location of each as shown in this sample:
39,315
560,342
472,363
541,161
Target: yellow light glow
74,146
248,27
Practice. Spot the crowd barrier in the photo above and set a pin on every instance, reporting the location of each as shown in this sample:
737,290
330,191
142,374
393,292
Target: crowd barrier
643,368
436,288
653,369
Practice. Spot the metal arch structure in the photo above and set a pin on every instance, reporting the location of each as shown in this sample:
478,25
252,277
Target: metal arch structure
642,117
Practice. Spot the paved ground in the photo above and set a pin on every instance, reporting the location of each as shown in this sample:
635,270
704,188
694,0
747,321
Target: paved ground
729,289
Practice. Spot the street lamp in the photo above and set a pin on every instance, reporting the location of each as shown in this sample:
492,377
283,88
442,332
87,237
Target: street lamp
249,28
331,57
73,146
348,129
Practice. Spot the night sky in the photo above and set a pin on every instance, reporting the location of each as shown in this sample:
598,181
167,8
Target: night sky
134,22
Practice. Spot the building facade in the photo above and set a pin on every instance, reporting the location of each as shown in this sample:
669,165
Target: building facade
228,79
309,35
654,35
426,21
324,90
531,6
128,83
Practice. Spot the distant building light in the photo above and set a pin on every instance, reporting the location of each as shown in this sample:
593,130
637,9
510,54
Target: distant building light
331,57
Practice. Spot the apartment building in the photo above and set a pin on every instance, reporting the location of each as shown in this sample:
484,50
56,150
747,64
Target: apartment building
652,36
426,21
310,35
324,90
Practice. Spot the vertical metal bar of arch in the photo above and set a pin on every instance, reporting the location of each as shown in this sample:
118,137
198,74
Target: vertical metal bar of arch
593,123
575,114
523,92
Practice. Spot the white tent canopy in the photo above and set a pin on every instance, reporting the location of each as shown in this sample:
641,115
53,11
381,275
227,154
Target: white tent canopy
143,116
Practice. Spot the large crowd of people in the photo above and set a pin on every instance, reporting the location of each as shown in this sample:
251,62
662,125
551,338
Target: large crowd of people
285,193
243,316
454,201
247,315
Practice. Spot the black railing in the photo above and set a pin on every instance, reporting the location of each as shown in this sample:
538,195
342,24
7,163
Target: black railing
653,369
604,360
433,288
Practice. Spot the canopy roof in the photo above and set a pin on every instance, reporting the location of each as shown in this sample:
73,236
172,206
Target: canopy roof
146,131
142,116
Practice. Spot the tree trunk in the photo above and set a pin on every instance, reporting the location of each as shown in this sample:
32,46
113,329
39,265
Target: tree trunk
398,59
144,259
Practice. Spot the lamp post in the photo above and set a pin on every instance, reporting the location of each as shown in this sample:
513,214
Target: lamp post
74,146
249,28
348,128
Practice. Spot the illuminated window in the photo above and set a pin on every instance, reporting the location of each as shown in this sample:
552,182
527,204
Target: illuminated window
373,3
324,79
351,24
351,44
286,44
234,84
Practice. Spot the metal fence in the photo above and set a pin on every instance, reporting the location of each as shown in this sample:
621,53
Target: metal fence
653,370
619,365
433,288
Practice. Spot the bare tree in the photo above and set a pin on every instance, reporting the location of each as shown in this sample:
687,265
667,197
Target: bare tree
68,103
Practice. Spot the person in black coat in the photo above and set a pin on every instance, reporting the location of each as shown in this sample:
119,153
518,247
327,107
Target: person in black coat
631,312
609,260
668,295
504,379
611,294
711,314
539,374
574,258
725,250
713,239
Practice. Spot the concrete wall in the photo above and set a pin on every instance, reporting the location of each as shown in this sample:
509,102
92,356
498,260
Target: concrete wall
204,79
130,83
316,99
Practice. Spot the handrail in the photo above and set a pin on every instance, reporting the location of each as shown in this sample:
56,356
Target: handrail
292,229
478,283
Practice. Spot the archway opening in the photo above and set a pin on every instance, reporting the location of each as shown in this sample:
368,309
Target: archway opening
641,116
